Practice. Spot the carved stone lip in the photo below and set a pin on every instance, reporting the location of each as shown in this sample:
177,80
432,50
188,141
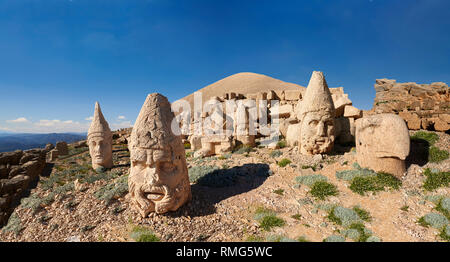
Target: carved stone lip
155,196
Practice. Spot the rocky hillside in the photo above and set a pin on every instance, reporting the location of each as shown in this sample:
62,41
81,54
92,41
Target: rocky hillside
287,196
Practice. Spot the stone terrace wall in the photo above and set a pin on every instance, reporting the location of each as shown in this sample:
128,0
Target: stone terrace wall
422,106
17,170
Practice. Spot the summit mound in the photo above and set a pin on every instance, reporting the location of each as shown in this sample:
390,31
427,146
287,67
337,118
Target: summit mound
245,84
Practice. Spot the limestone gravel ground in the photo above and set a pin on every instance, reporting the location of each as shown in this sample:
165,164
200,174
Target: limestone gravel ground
82,205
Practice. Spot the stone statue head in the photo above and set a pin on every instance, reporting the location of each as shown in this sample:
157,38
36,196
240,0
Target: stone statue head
317,117
158,179
100,141
382,143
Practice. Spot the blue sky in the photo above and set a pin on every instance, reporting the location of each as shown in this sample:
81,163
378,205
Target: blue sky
57,57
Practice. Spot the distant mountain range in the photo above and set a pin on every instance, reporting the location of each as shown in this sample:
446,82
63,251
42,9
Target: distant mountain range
15,141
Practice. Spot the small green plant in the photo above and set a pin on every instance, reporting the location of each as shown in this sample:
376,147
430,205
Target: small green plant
113,190
435,179
267,219
379,182
313,167
254,238
281,144
363,233
302,239
188,154
321,190
309,180
431,138
363,214
242,149
270,221
434,220
284,162
14,224
187,145
436,155
404,208
297,217
445,233
143,234
279,191
276,153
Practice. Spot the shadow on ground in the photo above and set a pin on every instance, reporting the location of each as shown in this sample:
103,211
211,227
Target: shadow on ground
222,184
418,153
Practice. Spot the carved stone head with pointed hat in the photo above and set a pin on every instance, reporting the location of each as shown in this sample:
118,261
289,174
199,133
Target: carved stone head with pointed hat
100,141
317,117
158,180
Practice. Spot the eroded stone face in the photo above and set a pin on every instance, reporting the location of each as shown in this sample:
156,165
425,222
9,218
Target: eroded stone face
158,180
317,114
100,141
100,149
317,133
382,143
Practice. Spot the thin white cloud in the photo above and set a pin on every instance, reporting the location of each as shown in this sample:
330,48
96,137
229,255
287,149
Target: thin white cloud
46,122
89,118
121,117
18,120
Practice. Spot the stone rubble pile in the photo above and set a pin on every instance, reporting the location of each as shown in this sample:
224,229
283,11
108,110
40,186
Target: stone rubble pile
422,106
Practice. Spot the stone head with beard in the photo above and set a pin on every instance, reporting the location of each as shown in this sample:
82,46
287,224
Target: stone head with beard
317,117
158,180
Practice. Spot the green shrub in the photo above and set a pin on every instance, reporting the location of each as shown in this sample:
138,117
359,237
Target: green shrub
443,207
284,162
302,239
321,190
241,149
435,180
279,238
224,156
343,216
309,180
363,235
363,214
404,208
431,138
281,144
197,172
434,220
254,238
276,153
279,191
334,238
379,182
143,234
313,167
436,155
113,190
445,233
297,217
267,218
187,145
14,224
270,221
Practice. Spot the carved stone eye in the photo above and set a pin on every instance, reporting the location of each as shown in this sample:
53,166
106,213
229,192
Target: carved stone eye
313,123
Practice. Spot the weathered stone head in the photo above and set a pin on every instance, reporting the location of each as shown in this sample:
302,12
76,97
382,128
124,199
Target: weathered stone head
382,143
100,141
158,180
317,117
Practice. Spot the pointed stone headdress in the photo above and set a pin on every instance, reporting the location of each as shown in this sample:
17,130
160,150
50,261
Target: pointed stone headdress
152,129
99,126
317,96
